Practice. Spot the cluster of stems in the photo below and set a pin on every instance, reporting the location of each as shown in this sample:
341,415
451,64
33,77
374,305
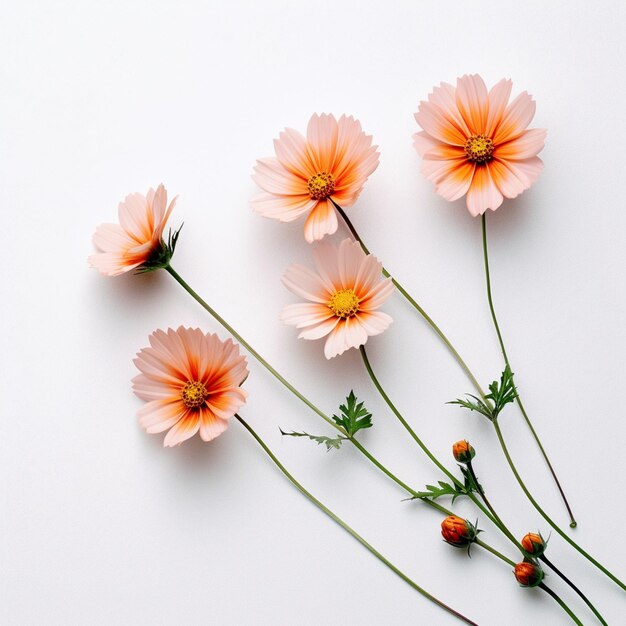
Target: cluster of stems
475,493
410,490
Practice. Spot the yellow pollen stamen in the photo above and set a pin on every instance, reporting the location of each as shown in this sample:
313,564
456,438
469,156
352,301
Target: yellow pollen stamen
194,394
479,148
344,303
321,186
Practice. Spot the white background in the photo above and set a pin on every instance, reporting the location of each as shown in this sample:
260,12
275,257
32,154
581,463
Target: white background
101,525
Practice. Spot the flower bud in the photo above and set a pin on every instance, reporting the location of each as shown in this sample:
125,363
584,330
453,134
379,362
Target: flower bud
463,452
457,531
533,544
528,574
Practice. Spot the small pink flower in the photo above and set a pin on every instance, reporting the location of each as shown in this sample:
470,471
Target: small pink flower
191,383
332,163
132,242
343,295
474,142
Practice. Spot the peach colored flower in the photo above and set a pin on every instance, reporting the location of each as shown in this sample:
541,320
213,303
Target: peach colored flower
475,143
191,383
332,163
342,297
132,242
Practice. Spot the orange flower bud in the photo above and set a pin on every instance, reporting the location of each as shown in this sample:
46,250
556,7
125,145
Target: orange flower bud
463,452
457,531
528,574
533,544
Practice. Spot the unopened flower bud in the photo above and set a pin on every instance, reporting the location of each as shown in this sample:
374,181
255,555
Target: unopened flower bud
528,574
457,531
463,452
534,544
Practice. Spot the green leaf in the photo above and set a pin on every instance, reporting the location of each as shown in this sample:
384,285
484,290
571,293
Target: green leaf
446,489
354,416
329,442
500,394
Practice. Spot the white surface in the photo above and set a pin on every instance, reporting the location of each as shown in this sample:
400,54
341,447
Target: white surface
99,524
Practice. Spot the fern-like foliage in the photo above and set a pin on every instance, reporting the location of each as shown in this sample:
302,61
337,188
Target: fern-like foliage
331,443
500,394
354,416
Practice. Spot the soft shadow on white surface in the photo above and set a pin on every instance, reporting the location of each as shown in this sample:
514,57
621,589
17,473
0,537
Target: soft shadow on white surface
99,523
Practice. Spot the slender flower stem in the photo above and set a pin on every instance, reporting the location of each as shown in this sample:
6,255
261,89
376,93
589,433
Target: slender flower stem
414,304
423,446
573,523
506,531
347,528
493,551
248,347
307,402
562,604
481,491
545,515
586,600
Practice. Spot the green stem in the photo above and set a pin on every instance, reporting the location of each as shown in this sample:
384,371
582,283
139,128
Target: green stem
293,390
498,519
545,515
347,528
414,304
248,347
425,449
493,551
573,523
586,600
561,603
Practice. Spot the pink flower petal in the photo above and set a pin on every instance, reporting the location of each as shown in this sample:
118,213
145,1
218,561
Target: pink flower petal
472,100
307,284
283,208
527,145
322,133
516,119
320,330
272,177
498,99
159,415
374,322
184,429
322,220
444,97
433,120
291,151
210,425
423,142
514,177
305,314
454,182
483,193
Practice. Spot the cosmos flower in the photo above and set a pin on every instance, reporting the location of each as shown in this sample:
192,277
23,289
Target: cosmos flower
331,164
191,382
137,239
342,297
474,142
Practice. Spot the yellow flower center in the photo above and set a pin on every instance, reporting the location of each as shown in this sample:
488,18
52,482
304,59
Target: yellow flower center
321,185
479,148
193,394
344,303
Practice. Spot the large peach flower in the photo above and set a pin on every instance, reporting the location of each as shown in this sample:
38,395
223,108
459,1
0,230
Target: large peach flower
191,383
138,236
331,163
474,142
343,295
